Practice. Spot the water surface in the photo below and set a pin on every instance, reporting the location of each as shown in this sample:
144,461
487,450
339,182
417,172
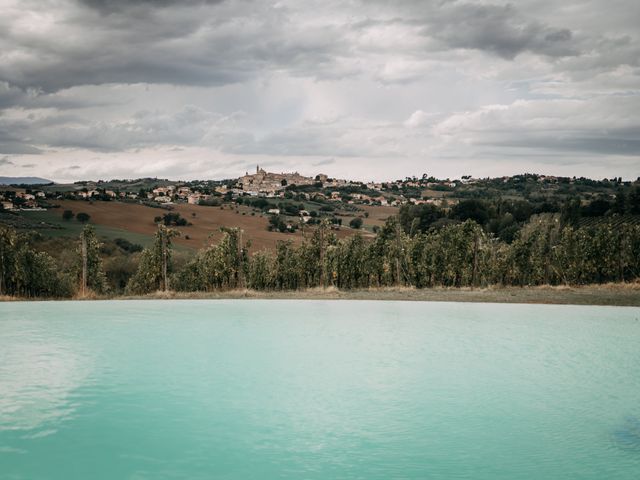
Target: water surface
318,390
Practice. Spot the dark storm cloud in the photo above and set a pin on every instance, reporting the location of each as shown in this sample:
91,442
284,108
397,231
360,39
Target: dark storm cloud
180,43
11,143
501,30
118,5
216,43
10,95
498,29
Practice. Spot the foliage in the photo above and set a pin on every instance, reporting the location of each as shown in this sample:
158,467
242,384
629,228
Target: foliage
454,255
220,266
26,272
171,219
128,246
154,265
414,218
83,217
96,279
356,223
549,248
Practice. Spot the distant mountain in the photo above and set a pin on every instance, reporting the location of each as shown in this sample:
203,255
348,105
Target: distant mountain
23,181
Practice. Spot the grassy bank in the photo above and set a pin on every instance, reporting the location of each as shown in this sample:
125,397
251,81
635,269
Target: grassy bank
608,294
621,294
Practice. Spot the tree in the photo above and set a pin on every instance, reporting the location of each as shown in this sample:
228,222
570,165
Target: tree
67,215
26,272
356,223
83,217
90,272
571,211
221,265
171,218
8,245
155,264
473,209
596,208
414,218
261,271
634,201
276,223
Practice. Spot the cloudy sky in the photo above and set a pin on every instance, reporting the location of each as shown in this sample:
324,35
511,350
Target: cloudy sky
370,89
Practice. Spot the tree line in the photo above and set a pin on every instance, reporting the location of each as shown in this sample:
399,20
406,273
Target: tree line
545,251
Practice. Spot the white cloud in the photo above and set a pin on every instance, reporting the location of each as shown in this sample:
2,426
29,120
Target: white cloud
418,118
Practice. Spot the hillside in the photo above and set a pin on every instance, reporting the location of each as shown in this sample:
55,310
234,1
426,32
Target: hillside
136,222
24,181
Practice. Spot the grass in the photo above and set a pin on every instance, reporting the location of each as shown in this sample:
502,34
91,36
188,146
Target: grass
612,294
72,228
625,294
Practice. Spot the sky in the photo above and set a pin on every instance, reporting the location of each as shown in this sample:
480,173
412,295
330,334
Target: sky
368,90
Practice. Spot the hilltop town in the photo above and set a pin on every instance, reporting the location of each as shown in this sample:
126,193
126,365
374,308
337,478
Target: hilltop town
270,185
288,199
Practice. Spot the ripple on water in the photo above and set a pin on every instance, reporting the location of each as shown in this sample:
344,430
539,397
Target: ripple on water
37,381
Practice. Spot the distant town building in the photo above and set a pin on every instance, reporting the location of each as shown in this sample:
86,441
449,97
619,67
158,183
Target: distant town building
305,216
270,183
194,198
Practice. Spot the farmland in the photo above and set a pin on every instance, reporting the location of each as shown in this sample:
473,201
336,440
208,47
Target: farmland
136,223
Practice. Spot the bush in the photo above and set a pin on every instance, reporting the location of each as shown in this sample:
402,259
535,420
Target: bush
127,246
83,217
209,202
276,223
171,219
67,215
356,223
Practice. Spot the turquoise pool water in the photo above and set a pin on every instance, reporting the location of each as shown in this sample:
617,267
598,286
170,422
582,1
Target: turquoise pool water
318,390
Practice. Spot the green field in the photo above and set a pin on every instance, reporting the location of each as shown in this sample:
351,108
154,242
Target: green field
72,228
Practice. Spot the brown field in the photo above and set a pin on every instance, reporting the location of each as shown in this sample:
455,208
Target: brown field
206,222
435,193
378,214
